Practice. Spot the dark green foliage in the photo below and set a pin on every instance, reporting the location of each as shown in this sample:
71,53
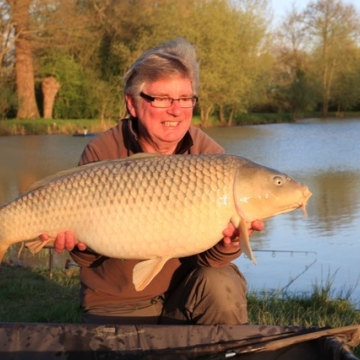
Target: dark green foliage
88,46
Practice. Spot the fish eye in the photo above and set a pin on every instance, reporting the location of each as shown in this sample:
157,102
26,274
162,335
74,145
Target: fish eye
278,180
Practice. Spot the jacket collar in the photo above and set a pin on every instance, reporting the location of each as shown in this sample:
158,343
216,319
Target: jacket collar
131,138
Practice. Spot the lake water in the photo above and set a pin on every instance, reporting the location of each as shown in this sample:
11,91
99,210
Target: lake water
293,253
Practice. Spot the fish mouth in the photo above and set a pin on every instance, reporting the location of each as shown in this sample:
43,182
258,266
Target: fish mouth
298,205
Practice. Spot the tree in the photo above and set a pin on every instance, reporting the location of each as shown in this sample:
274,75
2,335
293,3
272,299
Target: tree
27,107
5,33
229,37
66,43
231,42
293,88
332,26
346,89
50,86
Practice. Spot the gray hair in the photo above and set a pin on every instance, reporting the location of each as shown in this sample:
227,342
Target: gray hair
176,57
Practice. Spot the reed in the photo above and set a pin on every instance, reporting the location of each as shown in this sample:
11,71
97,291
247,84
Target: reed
321,307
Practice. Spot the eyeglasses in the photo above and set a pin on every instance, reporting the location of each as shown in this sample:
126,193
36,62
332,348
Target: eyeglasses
166,102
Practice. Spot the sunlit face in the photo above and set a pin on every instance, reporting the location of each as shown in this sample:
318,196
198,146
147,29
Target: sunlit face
160,129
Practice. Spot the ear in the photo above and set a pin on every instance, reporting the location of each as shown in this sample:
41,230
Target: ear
131,105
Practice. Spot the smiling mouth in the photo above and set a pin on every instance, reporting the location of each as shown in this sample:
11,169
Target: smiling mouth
171,123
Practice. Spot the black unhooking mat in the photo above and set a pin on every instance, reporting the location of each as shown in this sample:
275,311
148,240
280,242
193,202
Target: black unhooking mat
40,341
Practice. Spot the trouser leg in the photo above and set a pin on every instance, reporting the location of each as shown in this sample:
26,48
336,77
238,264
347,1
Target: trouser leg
208,296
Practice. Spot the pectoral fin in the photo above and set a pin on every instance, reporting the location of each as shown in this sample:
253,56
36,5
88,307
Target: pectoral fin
245,242
146,270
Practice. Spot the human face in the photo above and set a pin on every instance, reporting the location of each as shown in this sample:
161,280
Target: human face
161,129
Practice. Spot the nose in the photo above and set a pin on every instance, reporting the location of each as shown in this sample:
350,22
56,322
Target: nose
175,107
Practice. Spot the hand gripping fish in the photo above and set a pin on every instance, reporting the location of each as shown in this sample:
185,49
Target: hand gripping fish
151,208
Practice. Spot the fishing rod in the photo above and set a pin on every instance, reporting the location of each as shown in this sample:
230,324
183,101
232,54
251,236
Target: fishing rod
286,251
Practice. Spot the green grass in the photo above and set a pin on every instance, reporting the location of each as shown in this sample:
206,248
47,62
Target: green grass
52,126
72,126
305,310
29,295
317,309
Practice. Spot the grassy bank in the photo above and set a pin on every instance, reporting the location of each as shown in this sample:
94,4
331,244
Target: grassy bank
49,127
73,126
28,295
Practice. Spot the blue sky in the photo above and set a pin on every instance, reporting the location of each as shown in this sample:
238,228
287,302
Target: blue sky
281,7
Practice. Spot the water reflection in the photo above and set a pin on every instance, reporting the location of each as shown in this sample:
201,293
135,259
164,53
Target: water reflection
337,203
25,159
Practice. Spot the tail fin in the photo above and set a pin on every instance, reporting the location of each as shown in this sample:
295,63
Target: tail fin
36,245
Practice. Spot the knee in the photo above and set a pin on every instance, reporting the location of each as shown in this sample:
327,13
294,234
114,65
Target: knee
222,284
219,296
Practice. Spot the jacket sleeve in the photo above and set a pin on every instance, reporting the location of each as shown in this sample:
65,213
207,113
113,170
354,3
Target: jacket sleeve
214,257
86,258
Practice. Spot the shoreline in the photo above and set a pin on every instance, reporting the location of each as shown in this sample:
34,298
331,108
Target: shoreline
87,127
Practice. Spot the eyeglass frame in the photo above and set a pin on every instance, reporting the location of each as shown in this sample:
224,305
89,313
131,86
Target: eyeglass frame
151,99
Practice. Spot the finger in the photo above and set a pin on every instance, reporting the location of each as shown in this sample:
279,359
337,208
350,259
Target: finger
233,245
231,231
230,240
69,241
226,240
44,237
60,242
257,225
81,246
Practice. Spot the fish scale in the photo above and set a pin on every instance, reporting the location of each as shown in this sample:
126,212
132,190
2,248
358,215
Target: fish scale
151,207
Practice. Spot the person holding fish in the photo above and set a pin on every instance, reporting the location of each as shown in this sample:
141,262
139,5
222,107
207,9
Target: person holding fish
160,91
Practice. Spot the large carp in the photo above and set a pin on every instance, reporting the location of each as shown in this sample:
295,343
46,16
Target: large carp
151,207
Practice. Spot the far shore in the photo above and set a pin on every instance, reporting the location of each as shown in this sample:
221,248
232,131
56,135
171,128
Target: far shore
87,127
